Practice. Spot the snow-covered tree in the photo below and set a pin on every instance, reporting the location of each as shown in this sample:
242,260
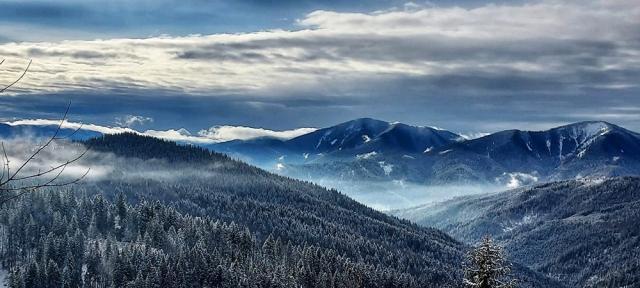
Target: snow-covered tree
486,266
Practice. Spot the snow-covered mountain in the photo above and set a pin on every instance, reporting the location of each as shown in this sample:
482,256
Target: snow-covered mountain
580,149
369,149
584,140
352,140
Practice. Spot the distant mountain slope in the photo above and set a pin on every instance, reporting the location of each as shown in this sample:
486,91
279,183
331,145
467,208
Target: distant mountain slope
584,233
206,184
13,131
367,135
584,148
430,156
345,141
372,150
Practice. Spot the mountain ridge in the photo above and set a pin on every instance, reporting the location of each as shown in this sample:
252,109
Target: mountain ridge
368,149
583,232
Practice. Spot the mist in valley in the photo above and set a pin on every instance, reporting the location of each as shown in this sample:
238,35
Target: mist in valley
394,195
103,167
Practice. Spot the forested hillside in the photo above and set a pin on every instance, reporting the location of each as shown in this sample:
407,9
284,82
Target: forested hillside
216,223
168,215
582,232
292,210
86,241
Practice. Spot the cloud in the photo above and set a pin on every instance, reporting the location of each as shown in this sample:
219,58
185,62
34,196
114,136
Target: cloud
21,148
517,179
180,135
227,133
218,134
509,60
133,120
71,125
214,134
541,46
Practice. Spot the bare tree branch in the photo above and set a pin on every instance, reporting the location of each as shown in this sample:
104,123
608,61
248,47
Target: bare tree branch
5,167
19,78
39,150
25,190
14,181
52,169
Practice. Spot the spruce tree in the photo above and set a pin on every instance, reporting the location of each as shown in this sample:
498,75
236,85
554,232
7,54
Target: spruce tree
487,267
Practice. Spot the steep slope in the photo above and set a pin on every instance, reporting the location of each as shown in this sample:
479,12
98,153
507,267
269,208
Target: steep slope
344,136
290,210
584,233
211,185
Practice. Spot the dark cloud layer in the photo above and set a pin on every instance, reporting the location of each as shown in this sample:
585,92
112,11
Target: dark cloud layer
461,112
468,70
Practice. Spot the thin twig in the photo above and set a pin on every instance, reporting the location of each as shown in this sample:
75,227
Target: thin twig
72,133
49,183
42,147
63,165
19,78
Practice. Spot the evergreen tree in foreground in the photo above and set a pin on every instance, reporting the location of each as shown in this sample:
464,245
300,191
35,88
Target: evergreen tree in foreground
486,266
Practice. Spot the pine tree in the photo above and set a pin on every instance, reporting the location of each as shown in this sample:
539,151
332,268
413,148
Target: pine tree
31,278
487,267
54,277
121,216
67,279
15,279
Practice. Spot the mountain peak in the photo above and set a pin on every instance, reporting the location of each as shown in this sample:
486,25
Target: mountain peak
593,125
587,129
363,121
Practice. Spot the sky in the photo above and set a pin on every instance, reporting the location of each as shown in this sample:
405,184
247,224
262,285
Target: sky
467,66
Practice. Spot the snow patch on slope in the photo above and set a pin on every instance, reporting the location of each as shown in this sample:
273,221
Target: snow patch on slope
366,155
512,225
387,168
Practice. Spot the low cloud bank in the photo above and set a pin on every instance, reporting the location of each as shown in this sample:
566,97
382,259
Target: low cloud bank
215,134
227,133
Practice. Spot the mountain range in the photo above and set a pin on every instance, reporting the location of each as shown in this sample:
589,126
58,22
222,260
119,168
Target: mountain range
368,149
377,151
